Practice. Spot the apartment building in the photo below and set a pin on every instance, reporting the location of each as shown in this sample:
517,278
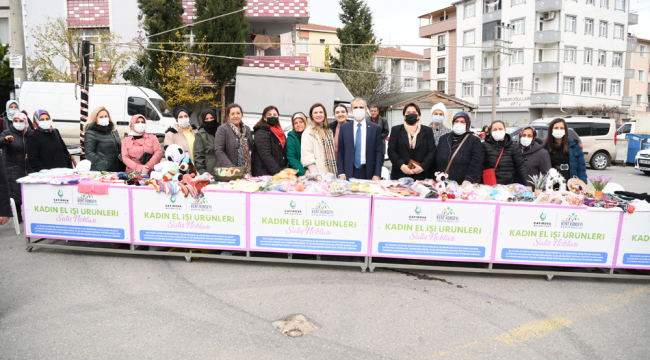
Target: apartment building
636,87
440,27
554,55
407,70
313,40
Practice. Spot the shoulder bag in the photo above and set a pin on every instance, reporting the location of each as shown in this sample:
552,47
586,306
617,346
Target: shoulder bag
455,152
489,177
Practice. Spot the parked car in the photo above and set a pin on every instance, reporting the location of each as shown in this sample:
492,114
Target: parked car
598,135
642,161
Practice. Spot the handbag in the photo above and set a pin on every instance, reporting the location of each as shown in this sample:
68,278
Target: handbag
121,164
489,177
144,159
455,152
412,163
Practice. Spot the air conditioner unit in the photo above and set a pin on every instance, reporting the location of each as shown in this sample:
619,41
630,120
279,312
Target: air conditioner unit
549,15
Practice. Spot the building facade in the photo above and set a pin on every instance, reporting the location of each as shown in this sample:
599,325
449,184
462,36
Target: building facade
440,27
313,40
636,87
551,55
407,70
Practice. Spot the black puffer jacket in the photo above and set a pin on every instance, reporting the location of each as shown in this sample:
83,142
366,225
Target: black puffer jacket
15,160
102,145
537,161
511,162
269,157
46,150
467,164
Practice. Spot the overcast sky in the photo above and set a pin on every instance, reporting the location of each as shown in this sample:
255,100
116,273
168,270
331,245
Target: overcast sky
396,21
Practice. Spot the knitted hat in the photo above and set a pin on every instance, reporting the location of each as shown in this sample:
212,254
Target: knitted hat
439,106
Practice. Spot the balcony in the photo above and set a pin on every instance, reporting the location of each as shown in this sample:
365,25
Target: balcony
626,101
544,98
441,70
633,18
441,47
487,100
277,62
629,73
283,12
492,16
546,67
438,27
547,36
493,12
631,44
489,73
548,5
427,53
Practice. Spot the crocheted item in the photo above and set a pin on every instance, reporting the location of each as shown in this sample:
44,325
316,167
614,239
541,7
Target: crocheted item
93,187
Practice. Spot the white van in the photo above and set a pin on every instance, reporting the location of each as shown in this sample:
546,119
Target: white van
122,101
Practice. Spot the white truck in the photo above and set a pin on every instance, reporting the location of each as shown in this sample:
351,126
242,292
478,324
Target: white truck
289,91
122,102
641,125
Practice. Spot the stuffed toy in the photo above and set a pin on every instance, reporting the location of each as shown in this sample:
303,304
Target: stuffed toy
187,178
172,174
441,181
174,155
554,177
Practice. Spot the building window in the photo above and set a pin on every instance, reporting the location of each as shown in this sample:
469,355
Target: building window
420,67
441,65
517,2
408,83
468,63
5,35
571,23
616,87
441,42
569,84
619,5
588,55
468,37
603,29
408,65
602,58
604,3
485,62
618,59
468,89
518,27
517,57
639,100
441,86
642,50
590,2
600,86
640,76
585,86
540,55
515,86
570,55
304,46
618,31
470,10
322,41
589,27
536,84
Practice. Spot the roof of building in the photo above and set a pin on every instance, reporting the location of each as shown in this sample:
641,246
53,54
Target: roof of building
425,100
316,27
398,53
438,12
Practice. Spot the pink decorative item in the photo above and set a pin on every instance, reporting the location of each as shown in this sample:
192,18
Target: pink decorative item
93,187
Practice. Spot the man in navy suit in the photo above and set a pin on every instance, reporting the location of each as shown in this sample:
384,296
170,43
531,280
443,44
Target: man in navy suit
360,146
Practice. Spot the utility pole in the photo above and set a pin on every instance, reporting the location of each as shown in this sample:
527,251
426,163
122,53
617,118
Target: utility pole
84,71
495,69
17,37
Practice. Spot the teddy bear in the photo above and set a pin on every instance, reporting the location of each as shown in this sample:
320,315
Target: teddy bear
174,155
441,181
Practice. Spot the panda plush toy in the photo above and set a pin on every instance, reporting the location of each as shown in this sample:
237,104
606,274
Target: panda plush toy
174,156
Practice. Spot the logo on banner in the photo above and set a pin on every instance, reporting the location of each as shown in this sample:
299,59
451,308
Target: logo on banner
60,199
293,211
200,204
173,205
543,223
417,216
448,215
86,199
571,222
322,209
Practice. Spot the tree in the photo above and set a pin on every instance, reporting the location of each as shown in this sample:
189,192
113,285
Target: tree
183,77
357,29
228,29
6,73
369,78
55,40
158,16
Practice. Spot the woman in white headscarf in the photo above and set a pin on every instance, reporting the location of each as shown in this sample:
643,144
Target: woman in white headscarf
438,115
13,108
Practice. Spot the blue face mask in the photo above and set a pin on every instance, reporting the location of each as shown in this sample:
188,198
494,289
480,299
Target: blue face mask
437,119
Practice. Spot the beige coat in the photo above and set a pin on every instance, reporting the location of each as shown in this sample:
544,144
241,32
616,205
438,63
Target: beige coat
174,136
312,154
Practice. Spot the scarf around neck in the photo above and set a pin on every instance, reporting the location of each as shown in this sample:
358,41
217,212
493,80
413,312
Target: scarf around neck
412,132
243,155
277,130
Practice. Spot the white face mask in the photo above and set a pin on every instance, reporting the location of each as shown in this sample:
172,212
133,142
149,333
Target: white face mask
437,119
19,126
526,141
11,113
184,122
45,125
103,121
359,114
558,134
498,135
140,128
459,129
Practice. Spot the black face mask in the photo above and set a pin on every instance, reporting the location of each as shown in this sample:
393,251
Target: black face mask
210,125
272,120
411,119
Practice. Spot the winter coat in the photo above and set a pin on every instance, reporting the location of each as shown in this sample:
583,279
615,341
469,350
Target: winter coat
102,145
5,204
312,152
400,152
577,166
15,162
131,153
468,163
269,157
511,163
174,136
537,161
293,153
205,159
383,124
46,150
226,145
